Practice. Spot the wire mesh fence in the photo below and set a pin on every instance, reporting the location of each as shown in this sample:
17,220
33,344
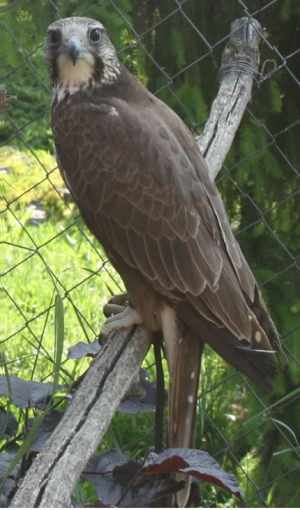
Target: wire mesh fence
174,47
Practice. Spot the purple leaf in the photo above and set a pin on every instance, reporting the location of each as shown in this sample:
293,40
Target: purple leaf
82,349
45,430
195,463
144,404
8,424
112,472
26,393
100,471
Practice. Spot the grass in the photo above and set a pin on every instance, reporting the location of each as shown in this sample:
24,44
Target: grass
39,263
57,257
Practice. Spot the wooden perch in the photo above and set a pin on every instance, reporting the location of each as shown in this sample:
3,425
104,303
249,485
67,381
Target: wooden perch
52,477
239,63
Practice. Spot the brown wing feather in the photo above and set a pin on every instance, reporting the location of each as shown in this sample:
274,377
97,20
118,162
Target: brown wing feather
145,193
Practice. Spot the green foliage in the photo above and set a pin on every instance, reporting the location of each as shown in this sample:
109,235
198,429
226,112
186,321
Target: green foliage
259,187
66,265
276,97
29,116
132,434
32,179
85,493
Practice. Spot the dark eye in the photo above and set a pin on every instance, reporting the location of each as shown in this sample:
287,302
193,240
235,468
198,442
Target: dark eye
95,34
54,37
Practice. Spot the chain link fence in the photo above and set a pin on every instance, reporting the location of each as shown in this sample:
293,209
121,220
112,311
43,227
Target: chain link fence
174,47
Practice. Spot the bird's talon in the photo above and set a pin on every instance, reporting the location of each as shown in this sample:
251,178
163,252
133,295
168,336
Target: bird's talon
119,299
112,309
126,318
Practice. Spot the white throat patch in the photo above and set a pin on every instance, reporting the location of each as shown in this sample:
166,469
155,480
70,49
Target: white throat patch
78,75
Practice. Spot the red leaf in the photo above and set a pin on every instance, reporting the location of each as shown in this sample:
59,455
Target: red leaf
195,463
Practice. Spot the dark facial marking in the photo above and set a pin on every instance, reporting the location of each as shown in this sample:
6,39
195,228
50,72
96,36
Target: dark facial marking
99,66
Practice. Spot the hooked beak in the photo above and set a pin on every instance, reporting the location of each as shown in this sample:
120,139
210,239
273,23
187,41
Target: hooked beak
74,48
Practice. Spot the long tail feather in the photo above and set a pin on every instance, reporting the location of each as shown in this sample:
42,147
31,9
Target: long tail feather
184,352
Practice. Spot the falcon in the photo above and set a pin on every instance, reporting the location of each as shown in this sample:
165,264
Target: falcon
144,191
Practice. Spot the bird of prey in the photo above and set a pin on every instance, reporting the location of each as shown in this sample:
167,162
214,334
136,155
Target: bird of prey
143,189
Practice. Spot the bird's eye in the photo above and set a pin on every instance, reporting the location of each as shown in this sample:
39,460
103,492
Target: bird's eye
54,37
95,35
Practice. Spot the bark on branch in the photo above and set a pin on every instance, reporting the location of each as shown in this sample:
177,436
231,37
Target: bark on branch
52,477
239,63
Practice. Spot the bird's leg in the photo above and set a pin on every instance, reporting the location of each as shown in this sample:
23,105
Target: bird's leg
120,314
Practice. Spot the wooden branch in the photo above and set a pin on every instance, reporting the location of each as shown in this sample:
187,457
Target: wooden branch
239,63
52,477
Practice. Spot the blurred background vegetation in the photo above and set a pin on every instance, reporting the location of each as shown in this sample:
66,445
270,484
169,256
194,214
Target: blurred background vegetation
175,48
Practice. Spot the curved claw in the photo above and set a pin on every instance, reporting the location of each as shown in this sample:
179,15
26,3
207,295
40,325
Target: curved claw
128,317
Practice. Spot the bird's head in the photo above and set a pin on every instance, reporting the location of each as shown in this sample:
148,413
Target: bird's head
78,53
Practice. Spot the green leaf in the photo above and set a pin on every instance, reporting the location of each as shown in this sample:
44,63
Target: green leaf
59,338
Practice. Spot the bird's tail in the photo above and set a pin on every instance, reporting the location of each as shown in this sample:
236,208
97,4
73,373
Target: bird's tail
184,352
